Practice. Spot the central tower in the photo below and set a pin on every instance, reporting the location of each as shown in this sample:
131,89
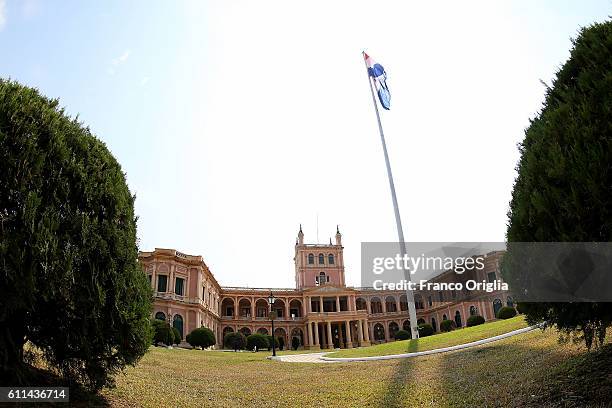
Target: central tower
318,264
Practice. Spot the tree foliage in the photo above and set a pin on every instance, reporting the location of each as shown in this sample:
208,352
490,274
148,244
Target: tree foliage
447,325
563,192
162,332
506,312
235,341
70,281
402,335
272,339
177,336
295,342
280,342
475,320
201,337
257,340
425,329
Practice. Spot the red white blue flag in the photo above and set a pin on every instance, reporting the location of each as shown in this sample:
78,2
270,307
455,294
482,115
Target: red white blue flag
379,76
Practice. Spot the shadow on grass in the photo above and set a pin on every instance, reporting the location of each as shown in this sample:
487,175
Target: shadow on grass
79,397
526,374
532,372
407,374
391,396
585,379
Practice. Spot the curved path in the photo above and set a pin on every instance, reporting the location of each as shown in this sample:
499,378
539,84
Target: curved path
320,357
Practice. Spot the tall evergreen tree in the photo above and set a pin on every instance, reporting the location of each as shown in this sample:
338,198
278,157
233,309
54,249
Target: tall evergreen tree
563,192
70,283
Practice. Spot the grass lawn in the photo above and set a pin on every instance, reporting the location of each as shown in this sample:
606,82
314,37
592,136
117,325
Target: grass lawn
453,338
269,352
530,369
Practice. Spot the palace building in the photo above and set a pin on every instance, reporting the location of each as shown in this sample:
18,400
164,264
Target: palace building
322,311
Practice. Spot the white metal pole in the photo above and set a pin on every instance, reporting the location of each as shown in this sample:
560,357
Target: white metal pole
398,221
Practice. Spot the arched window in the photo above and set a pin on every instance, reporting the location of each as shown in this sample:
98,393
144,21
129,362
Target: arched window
178,324
473,310
322,278
160,316
379,332
310,259
433,324
458,318
330,259
321,259
418,301
497,304
444,317
406,326
510,301
393,328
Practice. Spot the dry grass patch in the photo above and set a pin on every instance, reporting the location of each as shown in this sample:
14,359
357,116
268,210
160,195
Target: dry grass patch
510,372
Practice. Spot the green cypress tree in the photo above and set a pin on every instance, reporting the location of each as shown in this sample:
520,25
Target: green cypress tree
70,282
563,192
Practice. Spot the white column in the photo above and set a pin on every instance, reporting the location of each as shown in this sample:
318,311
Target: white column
349,338
360,332
309,331
154,278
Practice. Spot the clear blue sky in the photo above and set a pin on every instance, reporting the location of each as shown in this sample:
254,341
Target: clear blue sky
236,121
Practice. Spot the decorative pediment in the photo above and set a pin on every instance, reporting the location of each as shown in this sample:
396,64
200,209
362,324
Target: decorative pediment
327,289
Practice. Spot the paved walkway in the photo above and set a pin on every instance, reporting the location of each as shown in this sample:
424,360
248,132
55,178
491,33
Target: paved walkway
320,357
302,358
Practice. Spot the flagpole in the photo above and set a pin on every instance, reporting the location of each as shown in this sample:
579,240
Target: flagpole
398,221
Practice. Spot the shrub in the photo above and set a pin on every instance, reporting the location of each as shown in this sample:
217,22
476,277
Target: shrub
447,325
177,336
162,333
562,192
425,329
506,312
234,341
270,340
402,335
201,337
281,343
70,281
474,320
520,308
295,343
256,340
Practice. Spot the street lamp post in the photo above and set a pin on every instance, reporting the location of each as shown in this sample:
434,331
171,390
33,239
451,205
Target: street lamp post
271,300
